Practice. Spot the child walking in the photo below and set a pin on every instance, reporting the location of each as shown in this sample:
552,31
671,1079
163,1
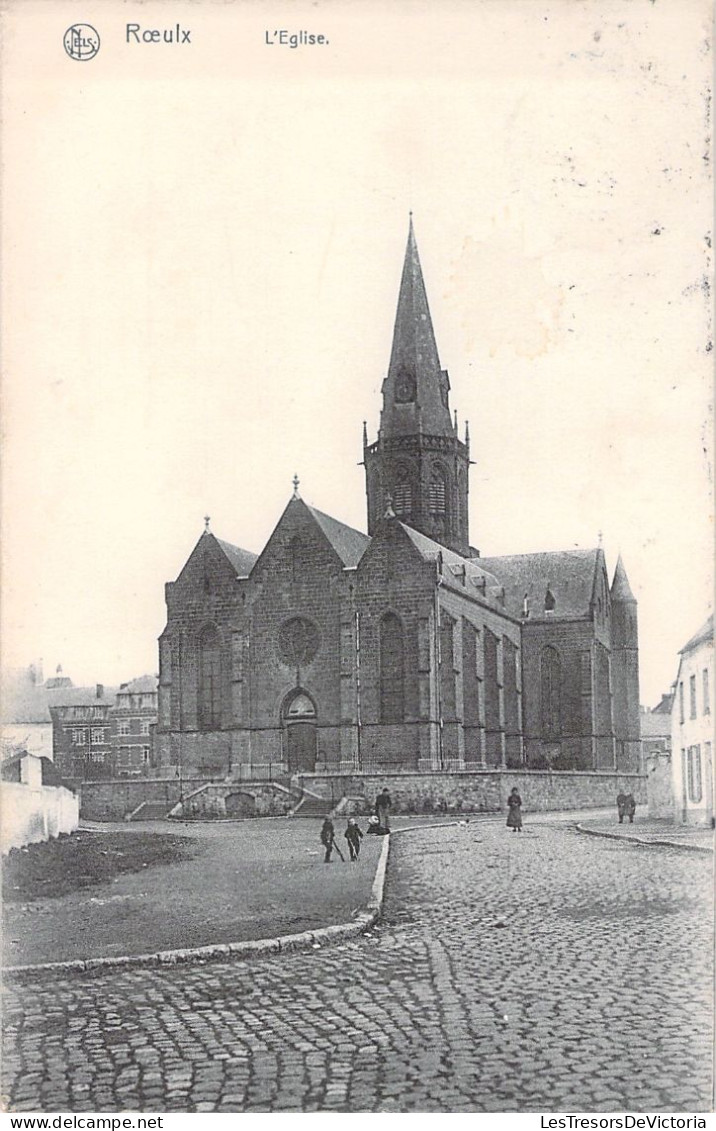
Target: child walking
353,835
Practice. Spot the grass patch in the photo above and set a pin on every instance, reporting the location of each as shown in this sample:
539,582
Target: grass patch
80,860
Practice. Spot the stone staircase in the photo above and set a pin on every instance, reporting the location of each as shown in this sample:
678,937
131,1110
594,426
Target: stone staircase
150,811
317,807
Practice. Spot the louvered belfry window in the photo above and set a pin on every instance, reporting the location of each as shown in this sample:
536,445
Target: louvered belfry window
402,495
392,674
437,492
209,679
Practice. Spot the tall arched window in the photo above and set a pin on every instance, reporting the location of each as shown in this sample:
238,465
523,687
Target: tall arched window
438,493
392,670
209,698
550,692
402,493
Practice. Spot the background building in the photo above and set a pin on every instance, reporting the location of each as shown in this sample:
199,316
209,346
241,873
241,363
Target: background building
402,649
25,700
692,729
656,756
132,721
81,733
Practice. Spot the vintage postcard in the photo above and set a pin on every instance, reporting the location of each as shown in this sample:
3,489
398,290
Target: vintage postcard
357,662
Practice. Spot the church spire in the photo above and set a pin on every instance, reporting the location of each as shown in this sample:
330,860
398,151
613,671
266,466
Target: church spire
415,391
418,457
621,589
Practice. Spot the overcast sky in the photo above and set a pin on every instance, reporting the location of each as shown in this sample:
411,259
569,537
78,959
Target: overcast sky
203,247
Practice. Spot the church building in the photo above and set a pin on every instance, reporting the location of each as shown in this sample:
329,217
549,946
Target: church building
335,651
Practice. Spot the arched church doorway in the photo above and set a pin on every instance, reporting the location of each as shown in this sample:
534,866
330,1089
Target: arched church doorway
299,724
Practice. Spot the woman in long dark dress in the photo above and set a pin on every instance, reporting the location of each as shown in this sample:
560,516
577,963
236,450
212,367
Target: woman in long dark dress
514,816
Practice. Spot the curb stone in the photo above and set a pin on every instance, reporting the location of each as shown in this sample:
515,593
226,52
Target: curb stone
644,842
251,948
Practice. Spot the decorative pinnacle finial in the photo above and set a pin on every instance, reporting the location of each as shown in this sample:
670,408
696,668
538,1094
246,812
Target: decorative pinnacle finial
389,512
207,520
455,420
296,482
599,535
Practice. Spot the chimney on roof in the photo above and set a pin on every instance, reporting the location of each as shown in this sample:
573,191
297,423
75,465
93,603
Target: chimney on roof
100,690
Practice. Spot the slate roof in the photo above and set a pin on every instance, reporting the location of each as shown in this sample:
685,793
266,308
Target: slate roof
242,560
143,683
414,356
705,633
349,544
429,550
23,701
568,573
621,589
665,704
654,724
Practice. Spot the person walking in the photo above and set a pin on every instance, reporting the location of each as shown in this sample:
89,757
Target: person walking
382,808
621,806
630,807
328,840
514,815
354,836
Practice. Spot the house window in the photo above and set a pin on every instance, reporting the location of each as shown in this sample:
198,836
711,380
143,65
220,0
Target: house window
209,679
97,734
124,727
97,712
692,696
550,601
125,755
706,695
78,737
144,726
694,773
392,689
145,755
550,692
681,702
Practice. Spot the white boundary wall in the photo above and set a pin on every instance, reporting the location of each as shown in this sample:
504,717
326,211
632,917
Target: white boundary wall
30,814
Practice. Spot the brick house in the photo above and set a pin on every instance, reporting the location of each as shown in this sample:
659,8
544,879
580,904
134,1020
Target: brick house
132,721
400,649
81,733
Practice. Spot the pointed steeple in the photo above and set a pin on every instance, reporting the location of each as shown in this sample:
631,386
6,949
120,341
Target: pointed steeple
415,392
621,589
418,456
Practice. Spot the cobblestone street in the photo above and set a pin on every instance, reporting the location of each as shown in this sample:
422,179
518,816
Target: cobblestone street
544,971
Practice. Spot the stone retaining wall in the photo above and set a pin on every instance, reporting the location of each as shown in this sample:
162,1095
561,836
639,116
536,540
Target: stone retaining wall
460,791
482,791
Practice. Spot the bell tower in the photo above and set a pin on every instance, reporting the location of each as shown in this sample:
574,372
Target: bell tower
418,459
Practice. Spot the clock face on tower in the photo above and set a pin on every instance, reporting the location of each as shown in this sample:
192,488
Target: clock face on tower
404,388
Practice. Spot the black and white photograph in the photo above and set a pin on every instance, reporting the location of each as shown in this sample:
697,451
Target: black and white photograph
357,679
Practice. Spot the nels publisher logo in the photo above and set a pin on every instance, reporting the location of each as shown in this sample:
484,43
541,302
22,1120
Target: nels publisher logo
81,42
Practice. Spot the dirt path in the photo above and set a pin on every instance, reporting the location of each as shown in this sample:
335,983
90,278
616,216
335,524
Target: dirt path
245,880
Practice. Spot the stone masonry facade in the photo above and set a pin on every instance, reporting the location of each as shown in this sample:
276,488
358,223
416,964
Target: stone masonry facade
335,652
